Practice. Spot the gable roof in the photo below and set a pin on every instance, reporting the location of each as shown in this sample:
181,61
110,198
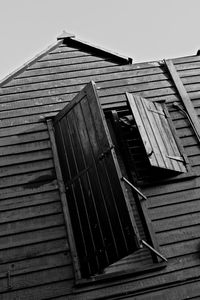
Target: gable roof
70,40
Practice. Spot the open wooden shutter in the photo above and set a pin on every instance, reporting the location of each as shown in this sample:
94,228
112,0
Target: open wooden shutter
102,222
156,133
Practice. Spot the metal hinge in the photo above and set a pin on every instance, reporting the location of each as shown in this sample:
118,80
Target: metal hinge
177,158
157,112
106,152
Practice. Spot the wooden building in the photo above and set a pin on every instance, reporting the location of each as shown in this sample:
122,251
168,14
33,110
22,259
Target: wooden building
100,177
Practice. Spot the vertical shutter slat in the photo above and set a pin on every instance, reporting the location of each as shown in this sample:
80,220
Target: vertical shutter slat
156,133
102,221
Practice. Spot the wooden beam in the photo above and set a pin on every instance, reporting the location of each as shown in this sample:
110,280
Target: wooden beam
63,198
184,96
72,41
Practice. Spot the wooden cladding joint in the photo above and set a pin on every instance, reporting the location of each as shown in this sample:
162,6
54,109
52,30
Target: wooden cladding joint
189,108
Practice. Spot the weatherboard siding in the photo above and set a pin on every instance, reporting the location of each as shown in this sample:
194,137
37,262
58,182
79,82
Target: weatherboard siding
34,252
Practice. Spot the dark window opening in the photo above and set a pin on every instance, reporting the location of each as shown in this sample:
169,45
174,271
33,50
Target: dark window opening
130,143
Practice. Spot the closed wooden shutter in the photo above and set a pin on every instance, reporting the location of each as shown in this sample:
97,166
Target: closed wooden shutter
102,221
157,136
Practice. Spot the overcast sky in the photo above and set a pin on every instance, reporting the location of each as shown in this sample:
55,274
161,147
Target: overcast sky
142,29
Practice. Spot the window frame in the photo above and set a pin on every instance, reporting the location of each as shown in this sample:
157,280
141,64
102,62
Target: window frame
156,265
174,176
78,277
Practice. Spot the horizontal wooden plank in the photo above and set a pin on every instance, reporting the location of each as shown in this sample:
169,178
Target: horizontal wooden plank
146,91
32,250
177,222
111,71
29,189
108,80
29,179
25,157
37,278
63,88
179,235
29,200
19,131
25,225
68,68
187,59
179,196
65,61
130,287
30,212
175,209
32,237
25,147
189,73
181,248
171,187
22,168
64,54
35,264
21,139
188,65
52,289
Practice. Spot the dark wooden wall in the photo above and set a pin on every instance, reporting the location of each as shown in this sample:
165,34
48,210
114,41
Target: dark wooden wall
35,260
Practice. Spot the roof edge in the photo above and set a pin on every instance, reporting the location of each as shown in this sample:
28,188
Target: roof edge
71,37
10,76
65,35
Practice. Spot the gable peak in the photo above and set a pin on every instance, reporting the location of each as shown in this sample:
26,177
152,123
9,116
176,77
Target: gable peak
65,35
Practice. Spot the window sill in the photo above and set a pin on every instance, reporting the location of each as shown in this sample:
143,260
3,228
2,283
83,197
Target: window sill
120,274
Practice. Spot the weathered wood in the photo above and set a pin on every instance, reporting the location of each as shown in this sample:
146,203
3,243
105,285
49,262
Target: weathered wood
26,167
36,223
30,212
29,200
32,250
63,197
62,54
30,179
69,68
32,233
175,210
36,278
25,157
64,62
21,190
102,80
111,72
23,148
176,222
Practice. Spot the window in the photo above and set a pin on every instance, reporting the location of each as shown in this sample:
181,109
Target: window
103,222
146,134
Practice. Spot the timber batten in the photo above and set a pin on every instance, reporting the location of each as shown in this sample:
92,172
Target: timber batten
35,257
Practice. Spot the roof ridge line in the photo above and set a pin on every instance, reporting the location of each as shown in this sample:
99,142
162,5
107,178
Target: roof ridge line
69,36
20,69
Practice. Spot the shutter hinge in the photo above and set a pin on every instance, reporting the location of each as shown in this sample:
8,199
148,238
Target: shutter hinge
106,152
177,158
157,111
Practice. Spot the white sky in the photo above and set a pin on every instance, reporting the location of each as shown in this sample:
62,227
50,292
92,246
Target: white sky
142,29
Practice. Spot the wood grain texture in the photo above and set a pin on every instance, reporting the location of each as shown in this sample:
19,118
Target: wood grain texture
33,238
